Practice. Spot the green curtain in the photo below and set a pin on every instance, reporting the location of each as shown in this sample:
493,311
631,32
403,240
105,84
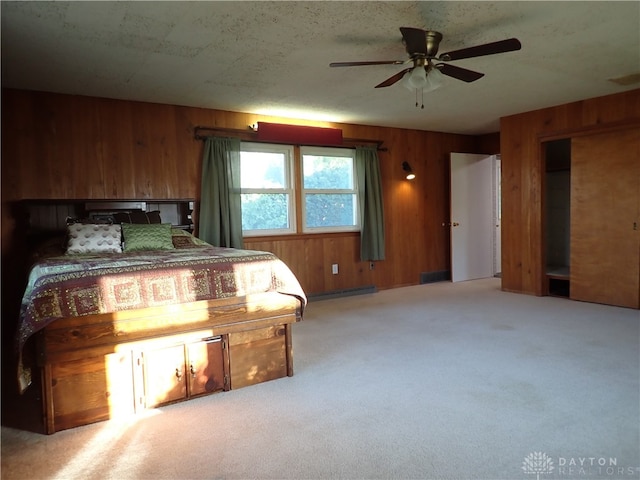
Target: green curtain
220,215
370,202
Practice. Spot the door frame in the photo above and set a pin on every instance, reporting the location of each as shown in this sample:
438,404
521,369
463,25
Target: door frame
566,134
492,203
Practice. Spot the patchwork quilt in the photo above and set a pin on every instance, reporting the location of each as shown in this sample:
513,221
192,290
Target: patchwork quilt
75,285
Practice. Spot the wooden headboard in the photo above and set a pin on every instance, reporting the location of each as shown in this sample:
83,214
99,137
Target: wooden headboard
49,216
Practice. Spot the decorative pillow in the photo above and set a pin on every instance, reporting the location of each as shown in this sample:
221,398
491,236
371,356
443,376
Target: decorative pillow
137,216
93,238
156,236
183,239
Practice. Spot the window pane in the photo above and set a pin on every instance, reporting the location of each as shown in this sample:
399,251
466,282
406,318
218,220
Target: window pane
330,210
328,173
265,211
262,170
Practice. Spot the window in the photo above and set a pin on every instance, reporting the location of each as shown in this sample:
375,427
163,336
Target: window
266,190
328,190
327,199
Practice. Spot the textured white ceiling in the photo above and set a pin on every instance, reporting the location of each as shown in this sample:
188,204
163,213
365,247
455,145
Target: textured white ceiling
273,57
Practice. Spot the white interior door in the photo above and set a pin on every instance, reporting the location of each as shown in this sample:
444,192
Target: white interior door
473,222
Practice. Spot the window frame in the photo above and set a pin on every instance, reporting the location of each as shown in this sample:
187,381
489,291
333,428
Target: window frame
290,190
294,176
329,152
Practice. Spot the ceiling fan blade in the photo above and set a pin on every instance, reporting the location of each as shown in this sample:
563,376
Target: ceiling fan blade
501,46
415,40
359,64
391,80
459,72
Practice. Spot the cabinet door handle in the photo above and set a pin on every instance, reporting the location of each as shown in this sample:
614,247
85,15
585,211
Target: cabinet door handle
178,374
192,370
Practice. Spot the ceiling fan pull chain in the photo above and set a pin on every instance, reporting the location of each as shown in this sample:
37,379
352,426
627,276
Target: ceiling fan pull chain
422,97
416,98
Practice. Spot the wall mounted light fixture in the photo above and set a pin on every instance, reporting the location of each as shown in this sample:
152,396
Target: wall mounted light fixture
407,170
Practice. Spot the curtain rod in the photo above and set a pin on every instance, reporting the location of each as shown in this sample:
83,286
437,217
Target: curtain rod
250,134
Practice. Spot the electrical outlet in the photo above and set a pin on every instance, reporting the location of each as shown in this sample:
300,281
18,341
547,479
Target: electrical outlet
334,268
372,265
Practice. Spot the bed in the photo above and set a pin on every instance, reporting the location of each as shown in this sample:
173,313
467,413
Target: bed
158,318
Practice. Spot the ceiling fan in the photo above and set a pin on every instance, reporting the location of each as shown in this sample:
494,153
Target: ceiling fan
422,47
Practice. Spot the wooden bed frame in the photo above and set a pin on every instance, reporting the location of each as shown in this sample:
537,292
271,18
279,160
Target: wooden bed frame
110,365
106,366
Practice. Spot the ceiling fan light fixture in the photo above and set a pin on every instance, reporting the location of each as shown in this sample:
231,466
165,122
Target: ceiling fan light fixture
419,79
416,78
434,79
405,81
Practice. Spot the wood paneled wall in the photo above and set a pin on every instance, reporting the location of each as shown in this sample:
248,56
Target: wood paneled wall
72,147
522,176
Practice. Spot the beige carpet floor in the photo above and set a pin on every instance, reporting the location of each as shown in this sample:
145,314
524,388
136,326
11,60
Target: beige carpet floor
438,381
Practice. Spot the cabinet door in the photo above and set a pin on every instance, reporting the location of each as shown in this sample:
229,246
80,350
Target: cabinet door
258,355
78,392
605,237
164,375
205,366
